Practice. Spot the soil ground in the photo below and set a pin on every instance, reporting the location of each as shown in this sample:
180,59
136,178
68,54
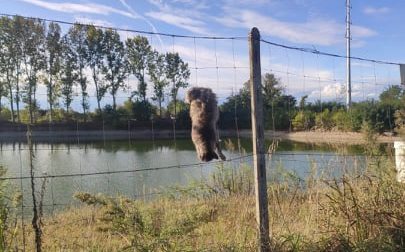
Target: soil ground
92,135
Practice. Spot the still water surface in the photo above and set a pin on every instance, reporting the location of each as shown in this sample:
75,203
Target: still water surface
128,168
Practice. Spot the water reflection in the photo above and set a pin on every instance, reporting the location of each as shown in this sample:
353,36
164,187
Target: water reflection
132,165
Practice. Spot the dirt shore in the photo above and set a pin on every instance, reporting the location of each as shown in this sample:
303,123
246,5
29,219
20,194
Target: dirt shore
94,135
329,137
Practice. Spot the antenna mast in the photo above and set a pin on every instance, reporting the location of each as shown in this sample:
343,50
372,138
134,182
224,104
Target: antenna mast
348,70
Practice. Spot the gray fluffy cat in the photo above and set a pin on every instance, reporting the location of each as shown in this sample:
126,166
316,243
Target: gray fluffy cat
204,115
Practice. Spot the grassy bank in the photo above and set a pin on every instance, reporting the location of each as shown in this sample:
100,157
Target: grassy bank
147,134
360,211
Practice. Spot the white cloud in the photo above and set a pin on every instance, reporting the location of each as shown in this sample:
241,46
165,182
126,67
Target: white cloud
376,10
188,17
131,10
334,91
186,23
314,31
97,22
90,8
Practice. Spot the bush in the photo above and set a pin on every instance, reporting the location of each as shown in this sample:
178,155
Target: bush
8,220
342,120
400,121
150,228
324,120
303,120
5,114
142,110
366,212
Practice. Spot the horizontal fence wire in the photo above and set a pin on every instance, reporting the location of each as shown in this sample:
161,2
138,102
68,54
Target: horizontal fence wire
183,166
123,171
302,49
315,51
127,30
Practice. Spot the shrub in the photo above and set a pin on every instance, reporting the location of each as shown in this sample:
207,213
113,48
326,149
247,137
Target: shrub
142,110
400,121
342,120
8,220
303,120
5,114
156,227
324,120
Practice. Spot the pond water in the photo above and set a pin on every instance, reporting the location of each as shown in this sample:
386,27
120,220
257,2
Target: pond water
140,169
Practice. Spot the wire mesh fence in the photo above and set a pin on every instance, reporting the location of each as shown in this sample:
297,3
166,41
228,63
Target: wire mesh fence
121,155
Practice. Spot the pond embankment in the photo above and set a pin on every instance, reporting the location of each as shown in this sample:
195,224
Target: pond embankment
97,135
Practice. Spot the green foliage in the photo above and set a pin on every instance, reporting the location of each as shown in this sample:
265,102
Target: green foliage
53,63
324,120
303,120
142,110
224,181
236,110
115,68
5,114
156,228
367,213
33,54
183,120
393,96
7,61
76,40
400,121
342,120
178,107
157,71
279,112
94,56
139,51
69,74
178,74
8,218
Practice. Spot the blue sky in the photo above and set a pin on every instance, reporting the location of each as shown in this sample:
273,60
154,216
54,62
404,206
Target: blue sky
377,27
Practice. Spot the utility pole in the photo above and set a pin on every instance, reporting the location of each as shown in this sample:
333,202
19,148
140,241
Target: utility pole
259,158
348,65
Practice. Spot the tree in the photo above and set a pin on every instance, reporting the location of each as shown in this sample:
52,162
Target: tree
392,96
138,52
302,102
235,112
115,65
142,110
53,46
68,73
6,63
16,50
271,88
391,100
157,72
3,92
279,107
178,74
33,55
95,55
77,42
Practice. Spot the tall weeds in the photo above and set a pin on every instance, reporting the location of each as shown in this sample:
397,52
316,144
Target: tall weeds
8,219
354,211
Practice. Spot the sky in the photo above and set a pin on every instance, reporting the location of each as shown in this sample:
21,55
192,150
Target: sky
377,33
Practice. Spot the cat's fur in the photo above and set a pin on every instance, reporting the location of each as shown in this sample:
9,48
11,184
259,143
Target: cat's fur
204,115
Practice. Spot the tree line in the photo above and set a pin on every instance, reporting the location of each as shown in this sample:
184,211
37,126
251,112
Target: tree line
33,53
284,112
